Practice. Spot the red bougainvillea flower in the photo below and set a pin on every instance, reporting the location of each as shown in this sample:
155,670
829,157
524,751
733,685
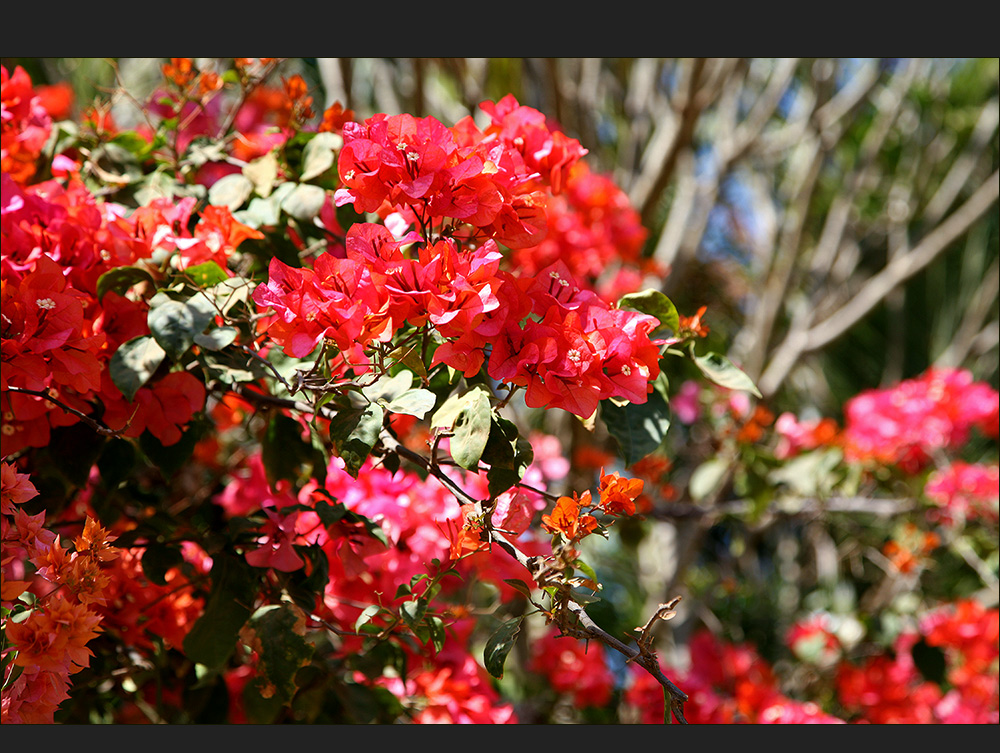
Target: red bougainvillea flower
964,491
576,668
276,547
903,425
578,351
812,640
544,147
25,125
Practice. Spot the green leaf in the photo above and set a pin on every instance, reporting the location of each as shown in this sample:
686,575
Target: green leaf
706,477
230,292
388,387
417,402
157,559
216,339
171,458
654,303
206,274
724,372
811,474
470,418
508,456
499,645
304,202
277,631
412,612
438,635
286,455
133,364
263,173
174,324
319,154
120,279
354,432
132,142
230,191
638,428
74,449
117,459
212,638
366,616
518,585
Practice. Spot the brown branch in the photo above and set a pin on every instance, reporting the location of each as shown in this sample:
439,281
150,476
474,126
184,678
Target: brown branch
98,426
590,630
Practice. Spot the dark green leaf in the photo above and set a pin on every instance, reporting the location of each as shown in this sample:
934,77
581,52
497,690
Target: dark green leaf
354,432
74,450
639,429
499,645
116,461
120,279
157,559
654,303
518,585
413,612
134,363
931,661
287,455
438,635
507,454
278,632
212,638
171,458
174,324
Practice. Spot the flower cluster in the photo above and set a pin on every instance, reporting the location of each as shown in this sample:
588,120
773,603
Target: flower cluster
595,231
964,491
25,125
576,669
59,336
891,688
726,684
467,192
48,640
905,424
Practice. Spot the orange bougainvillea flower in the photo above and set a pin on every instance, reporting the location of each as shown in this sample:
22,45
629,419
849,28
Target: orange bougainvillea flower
618,494
95,542
692,325
180,71
567,520
334,118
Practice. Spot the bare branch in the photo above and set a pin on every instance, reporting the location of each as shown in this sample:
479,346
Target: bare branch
878,286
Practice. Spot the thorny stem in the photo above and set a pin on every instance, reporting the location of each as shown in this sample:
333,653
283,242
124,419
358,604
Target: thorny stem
589,629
